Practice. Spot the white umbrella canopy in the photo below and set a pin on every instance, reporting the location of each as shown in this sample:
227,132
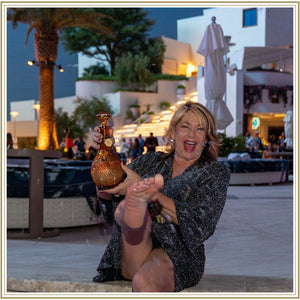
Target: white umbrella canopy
213,47
288,129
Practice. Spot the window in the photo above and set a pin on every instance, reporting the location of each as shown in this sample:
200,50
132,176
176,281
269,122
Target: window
250,17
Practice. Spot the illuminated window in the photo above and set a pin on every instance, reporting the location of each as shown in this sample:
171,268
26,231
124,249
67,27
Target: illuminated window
250,17
190,70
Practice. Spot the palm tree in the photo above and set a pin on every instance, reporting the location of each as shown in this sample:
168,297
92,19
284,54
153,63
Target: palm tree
48,23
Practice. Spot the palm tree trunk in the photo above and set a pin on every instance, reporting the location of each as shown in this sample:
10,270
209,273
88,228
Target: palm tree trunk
47,129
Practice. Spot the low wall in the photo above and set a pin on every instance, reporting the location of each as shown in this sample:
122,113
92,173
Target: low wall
58,213
68,185
256,171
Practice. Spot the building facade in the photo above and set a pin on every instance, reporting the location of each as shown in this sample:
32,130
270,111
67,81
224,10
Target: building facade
259,81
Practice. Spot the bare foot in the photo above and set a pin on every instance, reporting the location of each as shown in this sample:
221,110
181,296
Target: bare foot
137,198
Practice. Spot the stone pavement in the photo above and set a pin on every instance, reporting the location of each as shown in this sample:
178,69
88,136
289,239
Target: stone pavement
250,252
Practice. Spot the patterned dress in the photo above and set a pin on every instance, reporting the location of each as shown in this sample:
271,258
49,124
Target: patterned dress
199,194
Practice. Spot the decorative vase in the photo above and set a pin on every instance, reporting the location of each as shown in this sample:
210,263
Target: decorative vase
106,168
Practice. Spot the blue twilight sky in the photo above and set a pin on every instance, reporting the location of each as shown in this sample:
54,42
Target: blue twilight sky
23,81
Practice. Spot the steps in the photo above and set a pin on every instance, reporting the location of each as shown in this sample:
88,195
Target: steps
158,125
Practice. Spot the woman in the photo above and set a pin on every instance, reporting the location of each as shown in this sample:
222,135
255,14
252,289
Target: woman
135,149
172,205
123,151
9,141
69,145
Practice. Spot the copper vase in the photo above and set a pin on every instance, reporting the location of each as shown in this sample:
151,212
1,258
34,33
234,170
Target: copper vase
106,168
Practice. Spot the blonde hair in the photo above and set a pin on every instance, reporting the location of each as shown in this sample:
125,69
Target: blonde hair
214,141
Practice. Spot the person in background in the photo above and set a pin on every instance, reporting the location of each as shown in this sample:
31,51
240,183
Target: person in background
69,145
135,149
172,204
62,144
123,151
249,142
130,148
80,146
92,153
9,141
258,144
151,142
282,144
142,142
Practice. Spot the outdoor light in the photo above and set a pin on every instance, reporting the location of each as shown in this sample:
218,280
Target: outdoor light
14,114
60,68
47,62
36,106
190,69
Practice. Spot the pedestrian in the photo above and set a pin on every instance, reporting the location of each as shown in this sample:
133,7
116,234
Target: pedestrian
9,141
69,145
130,148
92,153
258,145
282,143
172,204
151,142
142,142
123,150
135,150
80,148
249,142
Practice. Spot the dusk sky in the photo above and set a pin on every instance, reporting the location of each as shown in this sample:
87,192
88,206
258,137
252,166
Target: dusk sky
23,81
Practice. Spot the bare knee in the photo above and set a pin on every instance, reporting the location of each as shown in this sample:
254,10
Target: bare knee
147,282
142,283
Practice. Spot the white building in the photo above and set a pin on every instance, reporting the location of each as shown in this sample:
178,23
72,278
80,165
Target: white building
261,58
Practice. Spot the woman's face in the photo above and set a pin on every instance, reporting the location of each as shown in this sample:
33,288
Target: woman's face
189,136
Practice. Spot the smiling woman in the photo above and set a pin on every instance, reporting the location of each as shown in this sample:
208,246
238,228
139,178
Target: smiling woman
172,204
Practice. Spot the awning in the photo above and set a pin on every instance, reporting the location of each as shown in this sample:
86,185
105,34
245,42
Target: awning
251,57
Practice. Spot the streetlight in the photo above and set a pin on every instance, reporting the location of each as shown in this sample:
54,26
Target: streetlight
14,114
37,108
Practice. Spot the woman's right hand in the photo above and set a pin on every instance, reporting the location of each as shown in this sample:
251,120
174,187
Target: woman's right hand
131,178
97,138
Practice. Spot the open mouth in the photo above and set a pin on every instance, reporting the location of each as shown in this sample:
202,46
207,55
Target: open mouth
189,146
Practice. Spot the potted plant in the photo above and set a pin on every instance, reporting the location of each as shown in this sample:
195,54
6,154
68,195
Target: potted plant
180,89
129,117
164,105
135,109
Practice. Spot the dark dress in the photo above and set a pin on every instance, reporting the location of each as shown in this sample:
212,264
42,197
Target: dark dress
199,194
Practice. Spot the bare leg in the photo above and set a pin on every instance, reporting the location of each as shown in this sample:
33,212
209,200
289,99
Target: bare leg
156,274
135,222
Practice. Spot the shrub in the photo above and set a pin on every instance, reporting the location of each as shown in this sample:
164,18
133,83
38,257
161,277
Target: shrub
232,144
164,105
170,77
97,77
131,71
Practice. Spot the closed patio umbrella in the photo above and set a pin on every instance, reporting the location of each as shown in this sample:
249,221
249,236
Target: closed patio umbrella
288,129
213,47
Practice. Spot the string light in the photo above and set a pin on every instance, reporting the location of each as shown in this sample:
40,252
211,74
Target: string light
47,62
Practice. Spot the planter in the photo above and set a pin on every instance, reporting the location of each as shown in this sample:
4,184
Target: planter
135,111
181,91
